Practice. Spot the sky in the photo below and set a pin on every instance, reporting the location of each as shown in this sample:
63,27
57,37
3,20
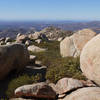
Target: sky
49,9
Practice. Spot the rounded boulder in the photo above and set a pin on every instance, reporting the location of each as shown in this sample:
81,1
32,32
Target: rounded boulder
90,60
14,56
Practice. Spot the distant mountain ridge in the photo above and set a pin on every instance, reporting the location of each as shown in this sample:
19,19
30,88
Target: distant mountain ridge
38,25
13,28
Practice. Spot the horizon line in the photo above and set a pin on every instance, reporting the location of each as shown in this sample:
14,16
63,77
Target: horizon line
75,20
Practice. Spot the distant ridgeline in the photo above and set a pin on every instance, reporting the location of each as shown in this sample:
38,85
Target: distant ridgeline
11,29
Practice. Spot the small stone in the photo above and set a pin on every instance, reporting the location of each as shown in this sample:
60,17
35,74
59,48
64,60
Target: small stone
34,48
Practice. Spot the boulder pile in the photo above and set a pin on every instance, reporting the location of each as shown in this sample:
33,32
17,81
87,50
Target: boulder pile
53,33
84,43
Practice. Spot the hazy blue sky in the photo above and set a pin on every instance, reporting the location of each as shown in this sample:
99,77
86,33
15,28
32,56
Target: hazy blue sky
49,9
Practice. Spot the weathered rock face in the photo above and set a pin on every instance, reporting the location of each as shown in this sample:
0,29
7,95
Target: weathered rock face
21,38
38,41
90,60
34,36
73,45
13,56
28,42
2,39
89,93
81,37
67,47
88,83
65,85
34,48
2,42
60,39
8,43
39,90
53,87
8,39
32,59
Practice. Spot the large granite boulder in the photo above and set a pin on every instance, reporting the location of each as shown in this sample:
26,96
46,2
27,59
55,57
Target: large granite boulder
38,90
88,93
65,85
90,60
67,47
81,37
73,45
13,56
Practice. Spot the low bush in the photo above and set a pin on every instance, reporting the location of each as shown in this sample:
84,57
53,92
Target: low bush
50,55
65,67
58,67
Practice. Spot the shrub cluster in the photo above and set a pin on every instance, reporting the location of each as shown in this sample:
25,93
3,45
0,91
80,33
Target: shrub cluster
58,67
65,67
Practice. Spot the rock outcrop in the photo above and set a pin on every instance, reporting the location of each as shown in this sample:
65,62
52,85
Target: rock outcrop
8,39
21,38
38,35
90,60
28,43
38,90
73,45
32,59
13,56
53,33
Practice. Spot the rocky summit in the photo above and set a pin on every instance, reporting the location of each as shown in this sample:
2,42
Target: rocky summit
48,66
54,33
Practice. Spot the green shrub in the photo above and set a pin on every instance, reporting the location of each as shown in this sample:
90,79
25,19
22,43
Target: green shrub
58,67
52,53
19,81
65,67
